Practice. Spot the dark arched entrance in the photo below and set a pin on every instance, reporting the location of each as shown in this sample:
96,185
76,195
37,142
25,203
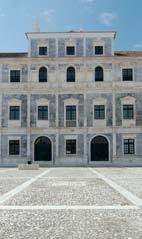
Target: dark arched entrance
99,149
43,149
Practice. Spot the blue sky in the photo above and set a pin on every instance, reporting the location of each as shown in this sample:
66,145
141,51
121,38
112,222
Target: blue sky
122,16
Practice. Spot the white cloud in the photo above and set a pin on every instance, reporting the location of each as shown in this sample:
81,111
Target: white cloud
138,46
47,14
107,18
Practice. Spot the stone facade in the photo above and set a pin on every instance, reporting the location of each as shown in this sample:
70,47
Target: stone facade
84,93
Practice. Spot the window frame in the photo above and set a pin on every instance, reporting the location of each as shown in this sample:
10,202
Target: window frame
128,68
70,55
70,139
67,74
128,113
39,74
14,139
14,113
102,50
15,69
42,113
43,46
96,81
104,112
129,148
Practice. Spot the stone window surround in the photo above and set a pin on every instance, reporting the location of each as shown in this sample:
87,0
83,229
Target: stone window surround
126,66
129,136
128,100
99,101
68,66
38,68
14,123
14,138
42,123
71,101
71,42
43,44
14,68
98,43
72,137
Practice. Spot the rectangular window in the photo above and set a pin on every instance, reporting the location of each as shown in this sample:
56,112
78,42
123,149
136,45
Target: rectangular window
127,74
70,50
98,50
99,112
42,112
42,50
128,112
71,146
14,147
15,76
14,113
129,146
71,116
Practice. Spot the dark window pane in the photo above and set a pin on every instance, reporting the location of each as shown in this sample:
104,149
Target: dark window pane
43,51
71,146
42,74
128,112
129,146
70,74
98,50
71,116
14,147
14,113
127,74
99,112
14,76
42,112
99,76
70,50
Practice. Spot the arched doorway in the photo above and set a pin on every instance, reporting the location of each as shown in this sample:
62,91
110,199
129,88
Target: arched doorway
43,149
99,149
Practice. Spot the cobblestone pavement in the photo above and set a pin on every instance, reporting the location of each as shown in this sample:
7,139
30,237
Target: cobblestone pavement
71,203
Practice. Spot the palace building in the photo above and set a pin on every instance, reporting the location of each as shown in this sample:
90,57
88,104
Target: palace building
71,100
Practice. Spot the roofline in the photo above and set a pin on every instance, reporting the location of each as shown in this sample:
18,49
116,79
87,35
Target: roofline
71,32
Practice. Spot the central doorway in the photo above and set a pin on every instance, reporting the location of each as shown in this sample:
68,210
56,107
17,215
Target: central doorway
43,149
99,149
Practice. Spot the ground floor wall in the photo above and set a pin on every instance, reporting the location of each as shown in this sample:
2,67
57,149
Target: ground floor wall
83,156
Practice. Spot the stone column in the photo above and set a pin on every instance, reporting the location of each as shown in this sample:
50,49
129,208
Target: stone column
114,124
57,129
28,129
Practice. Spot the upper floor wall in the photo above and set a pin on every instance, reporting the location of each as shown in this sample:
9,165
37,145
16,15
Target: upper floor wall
82,44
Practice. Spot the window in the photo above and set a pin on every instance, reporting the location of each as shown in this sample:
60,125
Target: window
42,112
42,50
129,146
70,50
99,112
43,74
99,74
71,146
98,50
14,113
14,147
71,116
128,112
15,76
70,74
127,74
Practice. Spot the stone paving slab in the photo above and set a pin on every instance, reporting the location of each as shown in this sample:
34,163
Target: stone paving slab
7,184
126,173
71,224
14,173
71,173
68,192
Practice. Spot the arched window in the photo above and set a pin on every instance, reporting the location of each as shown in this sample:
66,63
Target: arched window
99,75
43,74
70,74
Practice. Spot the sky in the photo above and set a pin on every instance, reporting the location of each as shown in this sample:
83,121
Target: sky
122,16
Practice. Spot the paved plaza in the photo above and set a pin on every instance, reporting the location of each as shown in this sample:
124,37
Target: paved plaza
71,203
